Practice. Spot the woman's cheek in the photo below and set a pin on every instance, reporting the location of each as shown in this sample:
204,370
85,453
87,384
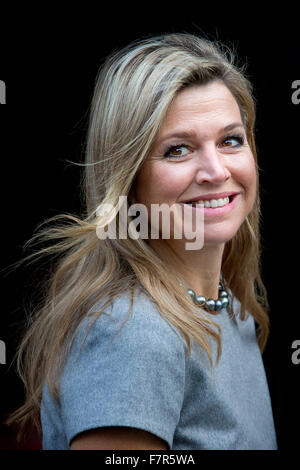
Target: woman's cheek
167,182
248,179
251,174
245,172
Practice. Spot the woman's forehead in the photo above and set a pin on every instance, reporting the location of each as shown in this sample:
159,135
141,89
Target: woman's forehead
205,105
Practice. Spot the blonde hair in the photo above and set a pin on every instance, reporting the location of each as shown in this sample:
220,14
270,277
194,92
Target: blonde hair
133,90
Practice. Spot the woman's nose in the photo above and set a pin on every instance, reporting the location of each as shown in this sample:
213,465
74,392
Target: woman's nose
212,167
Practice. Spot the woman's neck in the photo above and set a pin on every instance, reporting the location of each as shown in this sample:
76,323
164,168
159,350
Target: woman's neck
198,270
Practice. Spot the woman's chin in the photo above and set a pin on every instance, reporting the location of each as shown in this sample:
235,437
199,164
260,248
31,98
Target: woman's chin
219,236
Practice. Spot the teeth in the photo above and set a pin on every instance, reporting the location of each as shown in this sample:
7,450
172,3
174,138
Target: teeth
213,203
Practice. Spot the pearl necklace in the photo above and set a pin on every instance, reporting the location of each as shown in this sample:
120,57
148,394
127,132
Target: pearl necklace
211,304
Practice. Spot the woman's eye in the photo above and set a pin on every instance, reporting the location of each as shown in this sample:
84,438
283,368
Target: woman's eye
233,141
177,151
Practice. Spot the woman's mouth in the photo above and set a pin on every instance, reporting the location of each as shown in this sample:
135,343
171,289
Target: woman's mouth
214,207
213,203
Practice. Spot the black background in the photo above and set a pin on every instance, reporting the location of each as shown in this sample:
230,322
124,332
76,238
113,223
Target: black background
49,62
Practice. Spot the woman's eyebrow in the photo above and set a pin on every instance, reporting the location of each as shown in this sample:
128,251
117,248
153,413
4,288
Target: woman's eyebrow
193,134
232,126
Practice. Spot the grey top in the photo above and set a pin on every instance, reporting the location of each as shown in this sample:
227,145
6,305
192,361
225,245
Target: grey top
142,378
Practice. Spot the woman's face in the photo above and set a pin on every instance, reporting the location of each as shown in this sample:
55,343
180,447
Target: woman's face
201,154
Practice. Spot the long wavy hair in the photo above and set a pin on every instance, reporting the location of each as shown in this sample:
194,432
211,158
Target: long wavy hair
133,91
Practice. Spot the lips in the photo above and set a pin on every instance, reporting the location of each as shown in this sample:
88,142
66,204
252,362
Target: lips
209,197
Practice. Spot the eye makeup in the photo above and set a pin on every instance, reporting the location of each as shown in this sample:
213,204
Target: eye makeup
176,147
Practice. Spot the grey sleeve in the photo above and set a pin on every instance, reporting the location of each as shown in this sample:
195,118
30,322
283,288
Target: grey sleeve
134,378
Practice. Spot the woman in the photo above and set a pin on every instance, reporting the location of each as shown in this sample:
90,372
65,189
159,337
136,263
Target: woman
145,342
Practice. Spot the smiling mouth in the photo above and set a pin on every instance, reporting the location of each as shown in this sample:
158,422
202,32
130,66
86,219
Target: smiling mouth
212,203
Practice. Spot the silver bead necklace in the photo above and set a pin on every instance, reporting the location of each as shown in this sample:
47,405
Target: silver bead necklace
210,304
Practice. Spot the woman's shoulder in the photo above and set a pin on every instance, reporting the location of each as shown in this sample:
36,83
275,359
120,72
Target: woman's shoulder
137,307
127,359
130,320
